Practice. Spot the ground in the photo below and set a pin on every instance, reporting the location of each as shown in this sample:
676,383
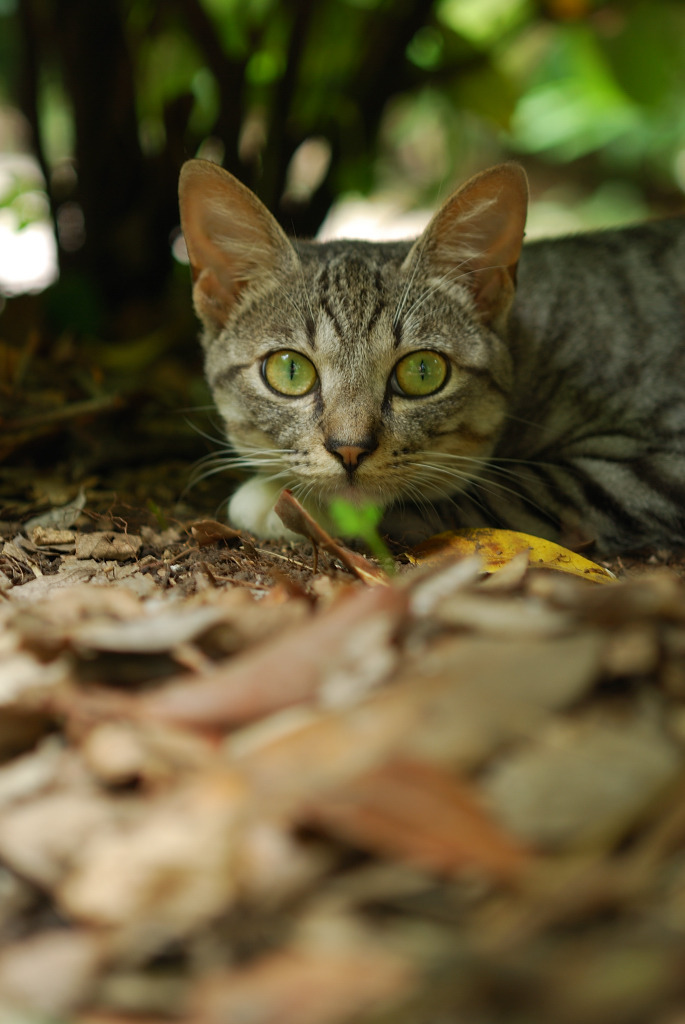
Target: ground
241,782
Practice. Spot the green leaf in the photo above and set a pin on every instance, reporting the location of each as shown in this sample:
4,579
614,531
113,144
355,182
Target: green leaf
362,521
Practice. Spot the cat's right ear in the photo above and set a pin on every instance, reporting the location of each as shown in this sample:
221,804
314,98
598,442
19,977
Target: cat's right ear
475,239
233,241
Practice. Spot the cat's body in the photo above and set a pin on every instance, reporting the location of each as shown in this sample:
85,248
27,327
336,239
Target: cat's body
597,337
405,374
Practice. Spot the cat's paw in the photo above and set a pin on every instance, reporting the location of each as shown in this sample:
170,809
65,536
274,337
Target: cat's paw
252,508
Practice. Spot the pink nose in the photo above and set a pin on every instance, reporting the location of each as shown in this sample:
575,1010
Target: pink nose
351,454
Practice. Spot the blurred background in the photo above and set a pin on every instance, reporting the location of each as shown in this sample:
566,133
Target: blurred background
346,117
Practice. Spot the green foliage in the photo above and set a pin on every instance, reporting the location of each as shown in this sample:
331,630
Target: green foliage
25,200
159,514
484,22
171,66
574,104
409,96
362,521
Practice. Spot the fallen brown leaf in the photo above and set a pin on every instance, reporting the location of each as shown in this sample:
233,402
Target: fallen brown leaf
585,785
297,519
420,813
103,546
282,673
209,531
49,972
166,871
305,987
46,536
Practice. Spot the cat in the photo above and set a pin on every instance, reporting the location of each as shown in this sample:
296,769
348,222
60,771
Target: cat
457,380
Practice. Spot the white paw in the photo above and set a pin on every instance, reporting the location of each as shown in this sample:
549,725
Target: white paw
252,508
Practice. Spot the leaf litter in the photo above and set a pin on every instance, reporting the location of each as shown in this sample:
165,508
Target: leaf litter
242,783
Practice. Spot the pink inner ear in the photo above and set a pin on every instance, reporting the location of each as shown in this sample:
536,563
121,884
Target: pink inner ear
486,218
214,286
477,237
213,302
231,237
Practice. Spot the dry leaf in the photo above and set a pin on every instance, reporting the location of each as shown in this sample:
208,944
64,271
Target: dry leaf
498,547
297,519
68,575
478,692
120,753
277,755
77,603
209,531
42,838
23,676
279,674
168,871
584,784
107,545
433,584
18,563
420,813
25,684
28,775
151,632
305,987
500,616
61,518
274,865
49,536
49,972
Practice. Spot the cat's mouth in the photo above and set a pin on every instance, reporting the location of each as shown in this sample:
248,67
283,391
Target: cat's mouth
353,491
358,492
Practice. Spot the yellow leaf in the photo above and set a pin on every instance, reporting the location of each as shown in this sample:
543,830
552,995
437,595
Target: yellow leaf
497,547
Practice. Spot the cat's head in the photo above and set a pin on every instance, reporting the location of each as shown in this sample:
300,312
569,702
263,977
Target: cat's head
374,371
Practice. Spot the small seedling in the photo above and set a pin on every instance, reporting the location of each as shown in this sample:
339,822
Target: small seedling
162,521
362,521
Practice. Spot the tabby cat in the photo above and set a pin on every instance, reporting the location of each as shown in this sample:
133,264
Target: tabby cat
417,376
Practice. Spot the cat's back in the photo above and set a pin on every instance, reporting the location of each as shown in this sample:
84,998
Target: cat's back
635,273
597,334
603,306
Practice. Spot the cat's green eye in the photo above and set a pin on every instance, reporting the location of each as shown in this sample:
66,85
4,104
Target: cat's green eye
420,373
289,373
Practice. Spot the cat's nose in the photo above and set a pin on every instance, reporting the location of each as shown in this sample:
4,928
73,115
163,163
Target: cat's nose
351,454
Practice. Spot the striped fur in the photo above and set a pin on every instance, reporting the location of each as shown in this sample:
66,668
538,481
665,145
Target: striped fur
564,411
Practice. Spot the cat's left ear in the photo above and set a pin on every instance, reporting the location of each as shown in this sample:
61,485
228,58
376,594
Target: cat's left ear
475,238
233,241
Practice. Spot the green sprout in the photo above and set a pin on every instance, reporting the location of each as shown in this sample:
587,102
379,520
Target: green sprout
362,521
162,521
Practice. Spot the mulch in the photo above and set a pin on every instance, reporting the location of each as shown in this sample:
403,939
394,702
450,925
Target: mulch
239,784
252,783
